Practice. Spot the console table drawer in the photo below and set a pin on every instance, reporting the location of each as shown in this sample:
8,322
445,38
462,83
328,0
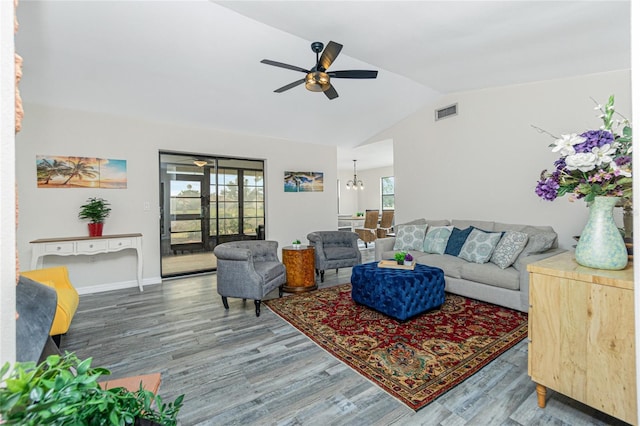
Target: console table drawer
121,243
60,248
92,246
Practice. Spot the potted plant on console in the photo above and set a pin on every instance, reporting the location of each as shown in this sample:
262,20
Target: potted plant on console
96,210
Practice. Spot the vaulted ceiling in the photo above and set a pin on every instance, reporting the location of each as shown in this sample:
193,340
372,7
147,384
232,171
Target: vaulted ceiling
198,62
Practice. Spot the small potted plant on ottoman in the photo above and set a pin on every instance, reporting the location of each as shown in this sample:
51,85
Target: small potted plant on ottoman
400,257
408,259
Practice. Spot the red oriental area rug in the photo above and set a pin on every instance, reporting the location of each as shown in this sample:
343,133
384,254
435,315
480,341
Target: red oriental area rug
416,361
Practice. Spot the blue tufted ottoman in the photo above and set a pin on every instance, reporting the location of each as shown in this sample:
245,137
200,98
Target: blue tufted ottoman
399,293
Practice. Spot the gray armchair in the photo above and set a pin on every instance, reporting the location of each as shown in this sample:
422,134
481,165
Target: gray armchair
334,249
249,270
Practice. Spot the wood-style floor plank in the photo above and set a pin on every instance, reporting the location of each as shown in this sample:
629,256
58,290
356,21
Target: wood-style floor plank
236,369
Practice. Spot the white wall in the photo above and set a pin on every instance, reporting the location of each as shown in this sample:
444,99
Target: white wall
484,163
7,187
358,201
48,213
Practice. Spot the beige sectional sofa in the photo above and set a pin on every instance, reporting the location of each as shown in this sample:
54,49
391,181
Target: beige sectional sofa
500,280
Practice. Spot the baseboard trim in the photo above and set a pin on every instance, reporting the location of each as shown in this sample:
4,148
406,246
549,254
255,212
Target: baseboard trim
99,288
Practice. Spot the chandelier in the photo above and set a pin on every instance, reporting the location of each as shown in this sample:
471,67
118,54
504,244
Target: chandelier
355,183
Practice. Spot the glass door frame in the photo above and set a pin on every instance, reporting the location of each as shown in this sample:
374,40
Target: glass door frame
179,166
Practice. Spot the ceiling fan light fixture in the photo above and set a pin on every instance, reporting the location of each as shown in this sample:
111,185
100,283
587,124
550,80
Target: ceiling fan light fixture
317,81
200,163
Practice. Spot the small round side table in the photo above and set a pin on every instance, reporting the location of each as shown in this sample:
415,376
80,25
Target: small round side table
300,264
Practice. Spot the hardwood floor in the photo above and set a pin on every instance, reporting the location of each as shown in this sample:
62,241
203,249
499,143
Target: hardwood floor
236,369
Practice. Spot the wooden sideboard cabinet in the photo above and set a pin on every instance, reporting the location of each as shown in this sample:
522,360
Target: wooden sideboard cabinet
581,334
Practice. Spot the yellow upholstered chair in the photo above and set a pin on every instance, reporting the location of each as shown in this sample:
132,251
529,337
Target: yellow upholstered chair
68,299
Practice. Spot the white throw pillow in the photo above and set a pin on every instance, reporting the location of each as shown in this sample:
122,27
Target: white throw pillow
479,246
410,237
436,239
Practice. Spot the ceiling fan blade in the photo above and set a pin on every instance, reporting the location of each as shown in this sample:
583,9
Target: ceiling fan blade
331,92
353,74
290,86
329,55
281,65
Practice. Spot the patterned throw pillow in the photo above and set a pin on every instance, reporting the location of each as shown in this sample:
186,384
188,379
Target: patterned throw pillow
539,243
436,239
509,248
456,240
479,246
410,237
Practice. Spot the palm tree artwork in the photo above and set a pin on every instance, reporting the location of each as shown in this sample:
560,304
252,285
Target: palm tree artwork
80,169
80,172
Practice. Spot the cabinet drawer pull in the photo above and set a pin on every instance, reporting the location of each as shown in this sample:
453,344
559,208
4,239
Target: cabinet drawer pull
58,248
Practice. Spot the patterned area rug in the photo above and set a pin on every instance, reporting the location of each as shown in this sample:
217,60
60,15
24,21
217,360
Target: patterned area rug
416,361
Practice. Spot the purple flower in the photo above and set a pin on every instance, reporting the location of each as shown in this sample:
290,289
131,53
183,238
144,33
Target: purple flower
560,163
594,138
547,189
622,160
408,257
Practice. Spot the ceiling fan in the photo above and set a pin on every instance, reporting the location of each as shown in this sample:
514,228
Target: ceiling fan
318,79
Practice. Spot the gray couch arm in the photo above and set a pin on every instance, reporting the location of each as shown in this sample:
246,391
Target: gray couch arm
384,245
521,266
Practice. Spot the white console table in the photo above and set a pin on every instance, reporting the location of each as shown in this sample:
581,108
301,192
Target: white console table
74,246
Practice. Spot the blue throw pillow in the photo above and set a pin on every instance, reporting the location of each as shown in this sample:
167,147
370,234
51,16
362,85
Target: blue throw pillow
456,240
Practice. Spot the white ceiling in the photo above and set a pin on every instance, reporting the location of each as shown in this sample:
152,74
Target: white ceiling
198,62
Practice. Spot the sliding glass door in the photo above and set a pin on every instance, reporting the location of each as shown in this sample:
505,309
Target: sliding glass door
205,201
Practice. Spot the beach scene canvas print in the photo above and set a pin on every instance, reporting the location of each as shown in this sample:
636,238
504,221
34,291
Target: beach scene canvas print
55,171
303,181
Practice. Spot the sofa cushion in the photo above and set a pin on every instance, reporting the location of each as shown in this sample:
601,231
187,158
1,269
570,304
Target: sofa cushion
479,246
539,242
440,222
410,237
451,265
436,239
491,274
415,222
481,224
456,240
509,248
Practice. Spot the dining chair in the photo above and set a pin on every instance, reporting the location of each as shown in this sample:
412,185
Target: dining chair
386,224
368,232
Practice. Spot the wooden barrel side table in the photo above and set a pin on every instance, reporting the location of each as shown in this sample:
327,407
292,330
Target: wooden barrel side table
300,264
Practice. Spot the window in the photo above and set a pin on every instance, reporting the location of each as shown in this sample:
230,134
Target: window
388,193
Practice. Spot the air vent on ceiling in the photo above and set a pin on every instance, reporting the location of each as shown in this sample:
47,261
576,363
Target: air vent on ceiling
446,112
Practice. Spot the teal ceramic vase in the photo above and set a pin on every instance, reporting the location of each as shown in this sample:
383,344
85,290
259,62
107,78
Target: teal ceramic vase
601,245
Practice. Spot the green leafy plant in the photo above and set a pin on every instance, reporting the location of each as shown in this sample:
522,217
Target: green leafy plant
296,242
96,210
400,256
63,390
